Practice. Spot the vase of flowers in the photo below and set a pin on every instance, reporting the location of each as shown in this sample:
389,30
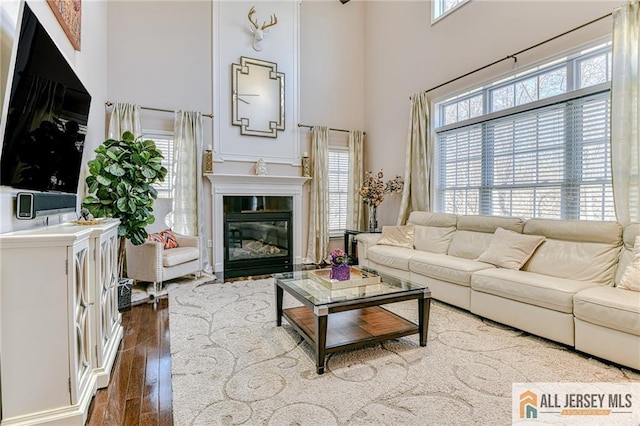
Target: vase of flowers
373,190
340,269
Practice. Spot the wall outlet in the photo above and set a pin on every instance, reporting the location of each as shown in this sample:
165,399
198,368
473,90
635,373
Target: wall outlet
209,243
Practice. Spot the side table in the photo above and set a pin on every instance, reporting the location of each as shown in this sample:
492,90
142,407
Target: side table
350,243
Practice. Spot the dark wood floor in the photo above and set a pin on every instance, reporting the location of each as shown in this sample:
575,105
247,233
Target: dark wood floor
139,392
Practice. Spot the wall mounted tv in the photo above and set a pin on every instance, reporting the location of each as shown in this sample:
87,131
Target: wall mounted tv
46,122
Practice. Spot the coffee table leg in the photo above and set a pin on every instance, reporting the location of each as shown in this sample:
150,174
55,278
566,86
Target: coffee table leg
321,342
423,319
279,292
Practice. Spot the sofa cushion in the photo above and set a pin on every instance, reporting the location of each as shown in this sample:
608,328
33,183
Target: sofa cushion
509,249
629,238
399,236
579,250
588,231
433,231
631,278
474,234
609,307
393,257
447,268
179,255
528,287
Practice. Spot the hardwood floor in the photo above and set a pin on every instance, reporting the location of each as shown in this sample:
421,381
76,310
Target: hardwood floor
140,389
139,392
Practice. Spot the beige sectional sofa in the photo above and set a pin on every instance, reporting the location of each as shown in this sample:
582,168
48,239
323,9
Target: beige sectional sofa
565,292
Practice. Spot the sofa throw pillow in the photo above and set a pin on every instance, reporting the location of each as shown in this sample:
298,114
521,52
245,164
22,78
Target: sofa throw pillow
631,277
170,240
509,249
166,237
156,238
399,236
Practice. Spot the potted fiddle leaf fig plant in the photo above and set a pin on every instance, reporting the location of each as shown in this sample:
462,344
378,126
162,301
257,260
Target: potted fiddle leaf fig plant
120,182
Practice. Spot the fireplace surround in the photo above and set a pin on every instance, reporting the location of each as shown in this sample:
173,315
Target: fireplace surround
226,185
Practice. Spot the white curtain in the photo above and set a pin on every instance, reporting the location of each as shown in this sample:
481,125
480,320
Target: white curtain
355,209
625,112
188,200
418,159
124,117
318,241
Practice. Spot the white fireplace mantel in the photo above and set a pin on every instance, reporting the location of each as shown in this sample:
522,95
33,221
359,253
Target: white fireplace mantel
246,185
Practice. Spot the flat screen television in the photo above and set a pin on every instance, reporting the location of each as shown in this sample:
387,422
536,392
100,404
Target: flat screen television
47,116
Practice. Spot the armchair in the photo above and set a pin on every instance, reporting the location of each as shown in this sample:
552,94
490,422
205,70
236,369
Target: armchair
151,262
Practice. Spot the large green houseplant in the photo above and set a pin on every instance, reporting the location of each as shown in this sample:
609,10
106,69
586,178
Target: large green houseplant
121,186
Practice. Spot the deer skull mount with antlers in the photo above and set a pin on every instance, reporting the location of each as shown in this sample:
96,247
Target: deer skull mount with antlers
259,32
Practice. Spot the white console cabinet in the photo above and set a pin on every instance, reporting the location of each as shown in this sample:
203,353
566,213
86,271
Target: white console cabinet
107,330
57,339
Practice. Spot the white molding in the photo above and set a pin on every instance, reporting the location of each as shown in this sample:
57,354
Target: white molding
289,154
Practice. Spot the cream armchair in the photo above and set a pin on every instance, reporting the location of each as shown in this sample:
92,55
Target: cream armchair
151,262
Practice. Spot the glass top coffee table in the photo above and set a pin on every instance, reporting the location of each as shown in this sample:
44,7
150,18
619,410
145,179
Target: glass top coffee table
332,320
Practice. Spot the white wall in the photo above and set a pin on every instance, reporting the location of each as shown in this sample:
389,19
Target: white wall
90,63
233,39
358,63
160,55
405,54
332,73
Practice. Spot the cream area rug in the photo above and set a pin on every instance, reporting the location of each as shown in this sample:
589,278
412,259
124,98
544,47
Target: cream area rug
231,365
144,292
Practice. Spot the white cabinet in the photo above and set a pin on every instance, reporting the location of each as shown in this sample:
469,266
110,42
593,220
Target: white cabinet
107,329
49,337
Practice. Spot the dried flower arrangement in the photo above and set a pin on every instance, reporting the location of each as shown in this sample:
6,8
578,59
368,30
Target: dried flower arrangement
374,188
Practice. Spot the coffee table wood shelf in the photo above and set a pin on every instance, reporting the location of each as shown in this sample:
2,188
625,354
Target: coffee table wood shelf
336,320
351,329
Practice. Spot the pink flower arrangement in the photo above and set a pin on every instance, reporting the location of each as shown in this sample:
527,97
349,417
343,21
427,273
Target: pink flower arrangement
338,257
373,188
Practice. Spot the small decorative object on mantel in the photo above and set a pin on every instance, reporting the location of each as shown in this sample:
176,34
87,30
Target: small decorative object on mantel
261,168
340,269
306,165
372,192
207,166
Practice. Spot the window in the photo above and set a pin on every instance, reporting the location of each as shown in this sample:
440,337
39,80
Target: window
535,145
164,142
338,190
441,8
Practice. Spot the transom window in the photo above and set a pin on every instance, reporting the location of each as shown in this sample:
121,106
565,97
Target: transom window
536,144
164,142
441,8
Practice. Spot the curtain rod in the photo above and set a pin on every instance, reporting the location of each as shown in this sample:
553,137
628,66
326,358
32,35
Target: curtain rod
332,129
109,104
514,56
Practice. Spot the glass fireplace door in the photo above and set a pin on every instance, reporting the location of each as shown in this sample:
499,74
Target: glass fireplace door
257,242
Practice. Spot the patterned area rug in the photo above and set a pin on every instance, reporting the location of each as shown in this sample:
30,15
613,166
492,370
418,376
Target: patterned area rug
232,365
143,292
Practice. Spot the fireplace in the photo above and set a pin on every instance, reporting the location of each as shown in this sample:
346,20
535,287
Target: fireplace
233,193
257,235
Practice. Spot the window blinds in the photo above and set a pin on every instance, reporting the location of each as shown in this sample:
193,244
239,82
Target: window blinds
338,189
549,162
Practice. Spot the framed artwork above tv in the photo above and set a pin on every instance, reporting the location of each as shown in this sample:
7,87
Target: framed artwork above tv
69,15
